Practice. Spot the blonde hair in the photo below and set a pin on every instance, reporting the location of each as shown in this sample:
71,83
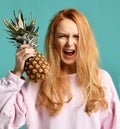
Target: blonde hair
53,92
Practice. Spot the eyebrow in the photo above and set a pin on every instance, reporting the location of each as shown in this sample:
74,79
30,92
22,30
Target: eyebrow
66,33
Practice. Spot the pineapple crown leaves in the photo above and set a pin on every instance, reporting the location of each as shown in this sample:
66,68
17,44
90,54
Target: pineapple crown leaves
20,32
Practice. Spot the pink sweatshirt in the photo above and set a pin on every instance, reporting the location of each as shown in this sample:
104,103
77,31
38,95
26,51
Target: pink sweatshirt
17,107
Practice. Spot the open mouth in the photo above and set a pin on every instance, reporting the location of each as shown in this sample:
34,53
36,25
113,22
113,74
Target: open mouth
69,52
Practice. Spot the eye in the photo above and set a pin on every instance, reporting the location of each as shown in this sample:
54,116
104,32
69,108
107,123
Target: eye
76,36
62,36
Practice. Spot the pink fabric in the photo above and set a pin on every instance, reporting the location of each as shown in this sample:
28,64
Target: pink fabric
17,107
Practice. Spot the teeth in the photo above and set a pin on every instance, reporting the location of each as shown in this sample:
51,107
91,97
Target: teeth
69,50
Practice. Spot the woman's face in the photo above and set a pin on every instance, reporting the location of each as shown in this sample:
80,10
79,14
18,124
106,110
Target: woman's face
66,40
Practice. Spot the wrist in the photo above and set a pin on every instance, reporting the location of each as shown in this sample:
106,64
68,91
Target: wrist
17,73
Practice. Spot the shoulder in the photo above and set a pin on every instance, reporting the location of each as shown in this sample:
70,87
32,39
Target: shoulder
104,73
108,84
30,86
105,77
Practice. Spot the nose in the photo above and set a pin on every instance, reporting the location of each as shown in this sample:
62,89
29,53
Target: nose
70,41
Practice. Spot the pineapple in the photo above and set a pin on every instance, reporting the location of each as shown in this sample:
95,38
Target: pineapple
36,68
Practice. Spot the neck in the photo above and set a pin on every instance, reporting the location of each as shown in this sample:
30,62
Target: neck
68,69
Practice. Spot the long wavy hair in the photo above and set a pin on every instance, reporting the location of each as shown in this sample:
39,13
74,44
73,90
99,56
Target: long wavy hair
55,91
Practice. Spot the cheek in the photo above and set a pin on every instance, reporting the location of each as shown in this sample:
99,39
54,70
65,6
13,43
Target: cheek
59,46
59,50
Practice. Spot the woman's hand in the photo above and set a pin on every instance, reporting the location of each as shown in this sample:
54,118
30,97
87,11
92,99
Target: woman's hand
22,54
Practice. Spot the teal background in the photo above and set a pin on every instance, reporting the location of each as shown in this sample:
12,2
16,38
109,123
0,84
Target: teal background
103,16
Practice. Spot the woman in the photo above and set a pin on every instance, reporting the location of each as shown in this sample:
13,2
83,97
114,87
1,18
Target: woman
77,93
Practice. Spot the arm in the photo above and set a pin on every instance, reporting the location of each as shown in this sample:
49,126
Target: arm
110,118
12,107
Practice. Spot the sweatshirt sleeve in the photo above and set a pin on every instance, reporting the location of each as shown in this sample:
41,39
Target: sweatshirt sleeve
111,117
12,107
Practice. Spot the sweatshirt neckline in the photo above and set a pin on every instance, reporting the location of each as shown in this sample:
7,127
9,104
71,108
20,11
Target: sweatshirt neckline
72,75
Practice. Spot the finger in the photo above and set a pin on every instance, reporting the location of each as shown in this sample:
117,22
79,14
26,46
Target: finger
27,56
25,51
24,47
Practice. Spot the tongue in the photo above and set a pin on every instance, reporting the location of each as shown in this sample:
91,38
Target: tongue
69,53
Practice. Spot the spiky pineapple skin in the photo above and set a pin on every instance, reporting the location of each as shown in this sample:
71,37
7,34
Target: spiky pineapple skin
37,68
